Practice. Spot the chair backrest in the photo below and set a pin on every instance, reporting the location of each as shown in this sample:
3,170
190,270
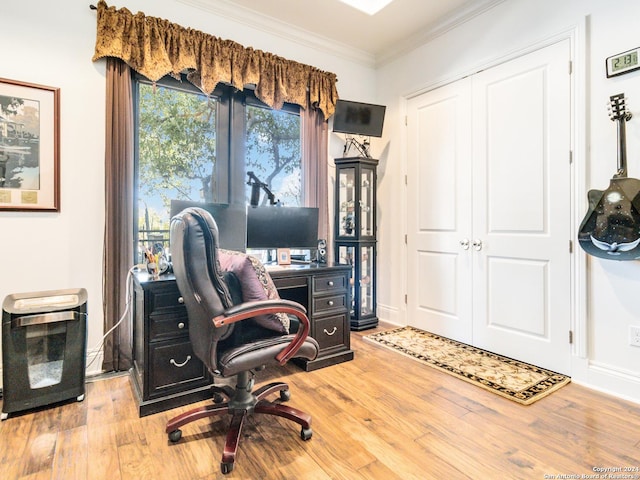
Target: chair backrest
194,255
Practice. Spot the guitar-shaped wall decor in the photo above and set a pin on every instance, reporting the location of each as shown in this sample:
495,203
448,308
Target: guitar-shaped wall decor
611,227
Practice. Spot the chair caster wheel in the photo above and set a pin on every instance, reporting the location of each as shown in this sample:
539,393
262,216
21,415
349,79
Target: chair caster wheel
226,468
305,434
285,395
175,435
218,398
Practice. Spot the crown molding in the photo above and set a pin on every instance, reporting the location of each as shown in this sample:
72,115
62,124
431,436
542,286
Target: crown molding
442,26
273,26
287,31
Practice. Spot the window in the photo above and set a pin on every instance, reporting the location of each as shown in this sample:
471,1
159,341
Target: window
273,152
190,146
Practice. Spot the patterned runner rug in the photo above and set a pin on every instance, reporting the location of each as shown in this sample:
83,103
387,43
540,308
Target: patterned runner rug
518,381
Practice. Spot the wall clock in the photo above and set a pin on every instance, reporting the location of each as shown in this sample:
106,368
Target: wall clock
624,62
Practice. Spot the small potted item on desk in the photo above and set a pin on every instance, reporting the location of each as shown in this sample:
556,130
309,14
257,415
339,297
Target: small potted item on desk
156,261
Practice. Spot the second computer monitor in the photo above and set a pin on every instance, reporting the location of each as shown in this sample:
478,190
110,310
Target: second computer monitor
231,220
282,227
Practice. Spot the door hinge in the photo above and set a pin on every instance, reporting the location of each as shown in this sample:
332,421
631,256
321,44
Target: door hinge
406,239
570,246
570,157
570,67
406,180
406,299
406,120
570,336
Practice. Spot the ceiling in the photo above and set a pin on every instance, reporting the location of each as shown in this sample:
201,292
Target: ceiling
332,24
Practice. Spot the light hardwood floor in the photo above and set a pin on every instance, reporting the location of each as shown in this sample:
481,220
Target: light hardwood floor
381,416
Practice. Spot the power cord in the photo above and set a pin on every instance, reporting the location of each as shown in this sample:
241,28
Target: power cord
126,310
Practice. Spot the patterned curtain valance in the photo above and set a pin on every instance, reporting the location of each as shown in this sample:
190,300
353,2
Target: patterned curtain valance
155,47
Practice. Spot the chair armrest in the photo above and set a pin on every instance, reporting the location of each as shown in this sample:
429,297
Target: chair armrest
254,308
246,310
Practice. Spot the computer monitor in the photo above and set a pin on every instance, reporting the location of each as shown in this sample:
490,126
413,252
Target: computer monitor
231,220
282,227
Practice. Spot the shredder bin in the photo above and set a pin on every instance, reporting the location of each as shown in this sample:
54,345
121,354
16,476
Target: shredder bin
44,342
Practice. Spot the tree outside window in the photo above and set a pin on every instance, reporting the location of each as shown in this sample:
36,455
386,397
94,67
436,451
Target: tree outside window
273,153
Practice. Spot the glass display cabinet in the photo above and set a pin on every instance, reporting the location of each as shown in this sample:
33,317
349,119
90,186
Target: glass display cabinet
355,234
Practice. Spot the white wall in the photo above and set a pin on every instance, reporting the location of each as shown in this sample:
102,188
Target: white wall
51,43
601,29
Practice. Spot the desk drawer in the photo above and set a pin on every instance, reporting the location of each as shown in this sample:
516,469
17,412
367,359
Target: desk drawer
164,297
329,283
329,303
289,282
173,365
330,332
165,327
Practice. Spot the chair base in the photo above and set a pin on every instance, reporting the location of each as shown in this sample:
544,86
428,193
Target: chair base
241,403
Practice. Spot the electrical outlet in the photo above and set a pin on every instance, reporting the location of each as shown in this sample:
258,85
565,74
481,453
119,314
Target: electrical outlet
634,336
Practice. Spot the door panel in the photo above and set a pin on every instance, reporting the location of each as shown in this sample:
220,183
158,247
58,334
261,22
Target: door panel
439,186
439,297
522,208
513,149
530,305
489,209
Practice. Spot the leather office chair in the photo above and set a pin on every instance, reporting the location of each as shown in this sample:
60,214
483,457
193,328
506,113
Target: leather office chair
224,337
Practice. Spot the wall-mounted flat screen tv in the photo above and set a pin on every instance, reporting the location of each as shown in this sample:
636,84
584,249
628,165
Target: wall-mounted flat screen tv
230,219
358,118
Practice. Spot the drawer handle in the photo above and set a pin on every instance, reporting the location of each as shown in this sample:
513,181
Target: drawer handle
181,325
330,303
335,329
180,300
173,362
330,283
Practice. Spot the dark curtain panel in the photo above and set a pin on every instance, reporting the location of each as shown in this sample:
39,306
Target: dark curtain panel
315,167
118,234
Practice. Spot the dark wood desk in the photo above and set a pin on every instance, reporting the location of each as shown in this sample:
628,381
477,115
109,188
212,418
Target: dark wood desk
166,373
324,291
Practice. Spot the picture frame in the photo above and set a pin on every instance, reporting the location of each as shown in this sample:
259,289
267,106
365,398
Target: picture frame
284,256
29,147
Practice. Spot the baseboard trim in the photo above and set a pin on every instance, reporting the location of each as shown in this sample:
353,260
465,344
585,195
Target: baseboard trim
388,314
607,379
94,362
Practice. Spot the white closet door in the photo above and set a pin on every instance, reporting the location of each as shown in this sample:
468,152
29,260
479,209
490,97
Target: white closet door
489,206
521,208
439,200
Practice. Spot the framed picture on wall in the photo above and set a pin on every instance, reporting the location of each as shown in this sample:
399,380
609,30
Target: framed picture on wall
29,146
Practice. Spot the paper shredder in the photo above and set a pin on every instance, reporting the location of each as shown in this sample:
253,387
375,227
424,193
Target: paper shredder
44,341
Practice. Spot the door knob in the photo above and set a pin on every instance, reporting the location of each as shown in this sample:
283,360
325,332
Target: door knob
477,244
464,243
